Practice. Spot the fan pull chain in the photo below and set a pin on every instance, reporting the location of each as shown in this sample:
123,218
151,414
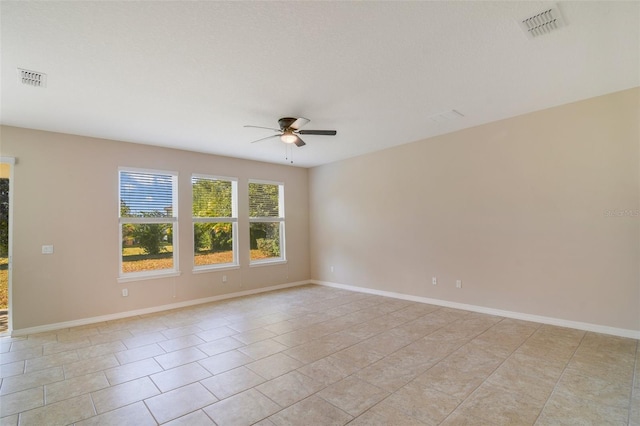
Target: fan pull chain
288,153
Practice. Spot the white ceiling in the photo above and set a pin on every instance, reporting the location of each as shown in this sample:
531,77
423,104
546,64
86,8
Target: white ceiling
190,74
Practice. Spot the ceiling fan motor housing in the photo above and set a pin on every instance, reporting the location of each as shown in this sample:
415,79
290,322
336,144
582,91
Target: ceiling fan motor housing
286,122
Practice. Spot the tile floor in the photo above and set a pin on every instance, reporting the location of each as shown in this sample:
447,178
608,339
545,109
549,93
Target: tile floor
315,355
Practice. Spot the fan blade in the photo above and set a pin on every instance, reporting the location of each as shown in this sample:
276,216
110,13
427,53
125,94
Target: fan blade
268,137
260,127
318,132
299,123
299,142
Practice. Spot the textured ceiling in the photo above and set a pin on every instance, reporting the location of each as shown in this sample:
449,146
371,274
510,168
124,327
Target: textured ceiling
190,74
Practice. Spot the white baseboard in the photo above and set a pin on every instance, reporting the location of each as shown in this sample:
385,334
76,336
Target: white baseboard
622,332
633,334
151,310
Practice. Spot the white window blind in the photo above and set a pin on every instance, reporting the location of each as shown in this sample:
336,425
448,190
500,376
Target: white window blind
264,200
212,197
146,194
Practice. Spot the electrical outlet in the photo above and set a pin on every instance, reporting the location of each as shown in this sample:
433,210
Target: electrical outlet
458,283
331,268
125,292
224,278
47,249
434,281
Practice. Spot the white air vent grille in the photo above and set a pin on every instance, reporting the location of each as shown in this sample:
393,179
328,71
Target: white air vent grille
32,78
542,23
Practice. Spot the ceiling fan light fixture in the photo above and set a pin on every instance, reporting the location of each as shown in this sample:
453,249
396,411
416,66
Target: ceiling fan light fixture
288,137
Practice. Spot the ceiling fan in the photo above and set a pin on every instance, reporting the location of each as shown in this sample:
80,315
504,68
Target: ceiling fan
289,131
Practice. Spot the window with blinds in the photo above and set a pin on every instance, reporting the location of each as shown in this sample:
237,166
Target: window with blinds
266,221
148,220
146,194
215,221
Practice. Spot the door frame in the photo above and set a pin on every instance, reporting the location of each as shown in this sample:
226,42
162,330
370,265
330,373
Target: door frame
12,163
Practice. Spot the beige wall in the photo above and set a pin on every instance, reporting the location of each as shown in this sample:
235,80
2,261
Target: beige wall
66,194
515,209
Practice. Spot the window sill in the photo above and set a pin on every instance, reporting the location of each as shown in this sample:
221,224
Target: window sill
267,263
205,269
154,276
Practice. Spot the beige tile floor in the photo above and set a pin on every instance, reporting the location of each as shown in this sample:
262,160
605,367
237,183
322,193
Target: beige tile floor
315,355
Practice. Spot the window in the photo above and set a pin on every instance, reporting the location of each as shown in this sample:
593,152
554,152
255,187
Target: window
266,221
215,221
148,223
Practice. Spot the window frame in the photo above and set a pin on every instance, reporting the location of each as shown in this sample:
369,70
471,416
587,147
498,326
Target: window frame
233,220
261,219
172,220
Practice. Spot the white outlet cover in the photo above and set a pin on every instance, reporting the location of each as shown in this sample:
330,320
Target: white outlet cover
47,249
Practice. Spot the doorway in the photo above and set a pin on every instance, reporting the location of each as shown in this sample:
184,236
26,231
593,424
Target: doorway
6,188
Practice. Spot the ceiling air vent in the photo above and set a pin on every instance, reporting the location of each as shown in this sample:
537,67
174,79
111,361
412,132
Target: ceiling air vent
32,78
542,23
